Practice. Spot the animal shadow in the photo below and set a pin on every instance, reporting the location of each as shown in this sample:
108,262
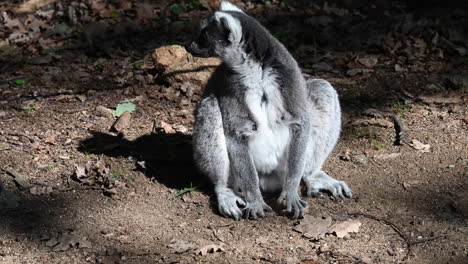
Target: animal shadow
165,158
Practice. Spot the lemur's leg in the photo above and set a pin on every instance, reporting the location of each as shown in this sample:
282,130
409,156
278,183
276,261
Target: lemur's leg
211,156
326,124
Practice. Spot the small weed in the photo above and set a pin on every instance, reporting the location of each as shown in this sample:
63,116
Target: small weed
115,13
20,82
377,144
139,64
401,106
193,4
99,67
186,190
28,108
177,9
116,175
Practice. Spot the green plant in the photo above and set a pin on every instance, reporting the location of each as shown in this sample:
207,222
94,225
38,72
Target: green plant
139,64
20,82
177,9
186,190
401,106
193,4
116,175
377,144
99,67
115,13
28,108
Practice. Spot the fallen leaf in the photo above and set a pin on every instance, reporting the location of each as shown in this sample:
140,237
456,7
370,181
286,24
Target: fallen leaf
124,239
80,172
418,145
167,128
122,108
372,122
181,246
346,155
369,62
341,229
212,248
313,227
371,112
398,68
261,240
32,5
66,240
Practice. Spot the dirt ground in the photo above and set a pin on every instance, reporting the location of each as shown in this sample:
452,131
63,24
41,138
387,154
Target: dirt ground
66,179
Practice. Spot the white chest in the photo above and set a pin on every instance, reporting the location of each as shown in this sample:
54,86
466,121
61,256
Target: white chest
269,145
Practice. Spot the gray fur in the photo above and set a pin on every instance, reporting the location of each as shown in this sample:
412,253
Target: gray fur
260,126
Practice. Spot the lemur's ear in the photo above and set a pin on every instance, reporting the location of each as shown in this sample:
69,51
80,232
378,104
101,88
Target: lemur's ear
227,6
225,26
230,25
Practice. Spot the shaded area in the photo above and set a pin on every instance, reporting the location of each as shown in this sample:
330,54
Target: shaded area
167,157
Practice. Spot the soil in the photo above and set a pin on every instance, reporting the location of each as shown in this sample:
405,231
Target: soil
412,204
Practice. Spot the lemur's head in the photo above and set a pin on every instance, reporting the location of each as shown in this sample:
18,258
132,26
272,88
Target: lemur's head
218,33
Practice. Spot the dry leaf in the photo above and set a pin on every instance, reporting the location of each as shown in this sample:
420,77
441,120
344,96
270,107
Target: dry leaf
398,68
372,122
212,248
66,240
369,62
181,246
32,5
80,172
167,128
418,145
341,229
313,227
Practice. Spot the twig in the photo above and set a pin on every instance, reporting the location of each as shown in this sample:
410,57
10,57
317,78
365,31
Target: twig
393,226
421,241
19,180
22,183
401,134
409,242
20,134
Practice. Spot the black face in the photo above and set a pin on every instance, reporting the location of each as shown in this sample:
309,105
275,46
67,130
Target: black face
213,38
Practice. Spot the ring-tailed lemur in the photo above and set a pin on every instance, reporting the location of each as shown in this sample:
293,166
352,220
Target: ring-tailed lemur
263,127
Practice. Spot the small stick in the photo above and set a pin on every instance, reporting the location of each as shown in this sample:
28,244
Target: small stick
392,225
19,180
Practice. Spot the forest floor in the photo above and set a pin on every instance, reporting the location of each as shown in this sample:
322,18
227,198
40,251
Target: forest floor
73,191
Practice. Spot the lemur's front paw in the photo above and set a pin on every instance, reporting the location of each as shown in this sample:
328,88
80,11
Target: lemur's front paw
294,204
256,209
228,205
